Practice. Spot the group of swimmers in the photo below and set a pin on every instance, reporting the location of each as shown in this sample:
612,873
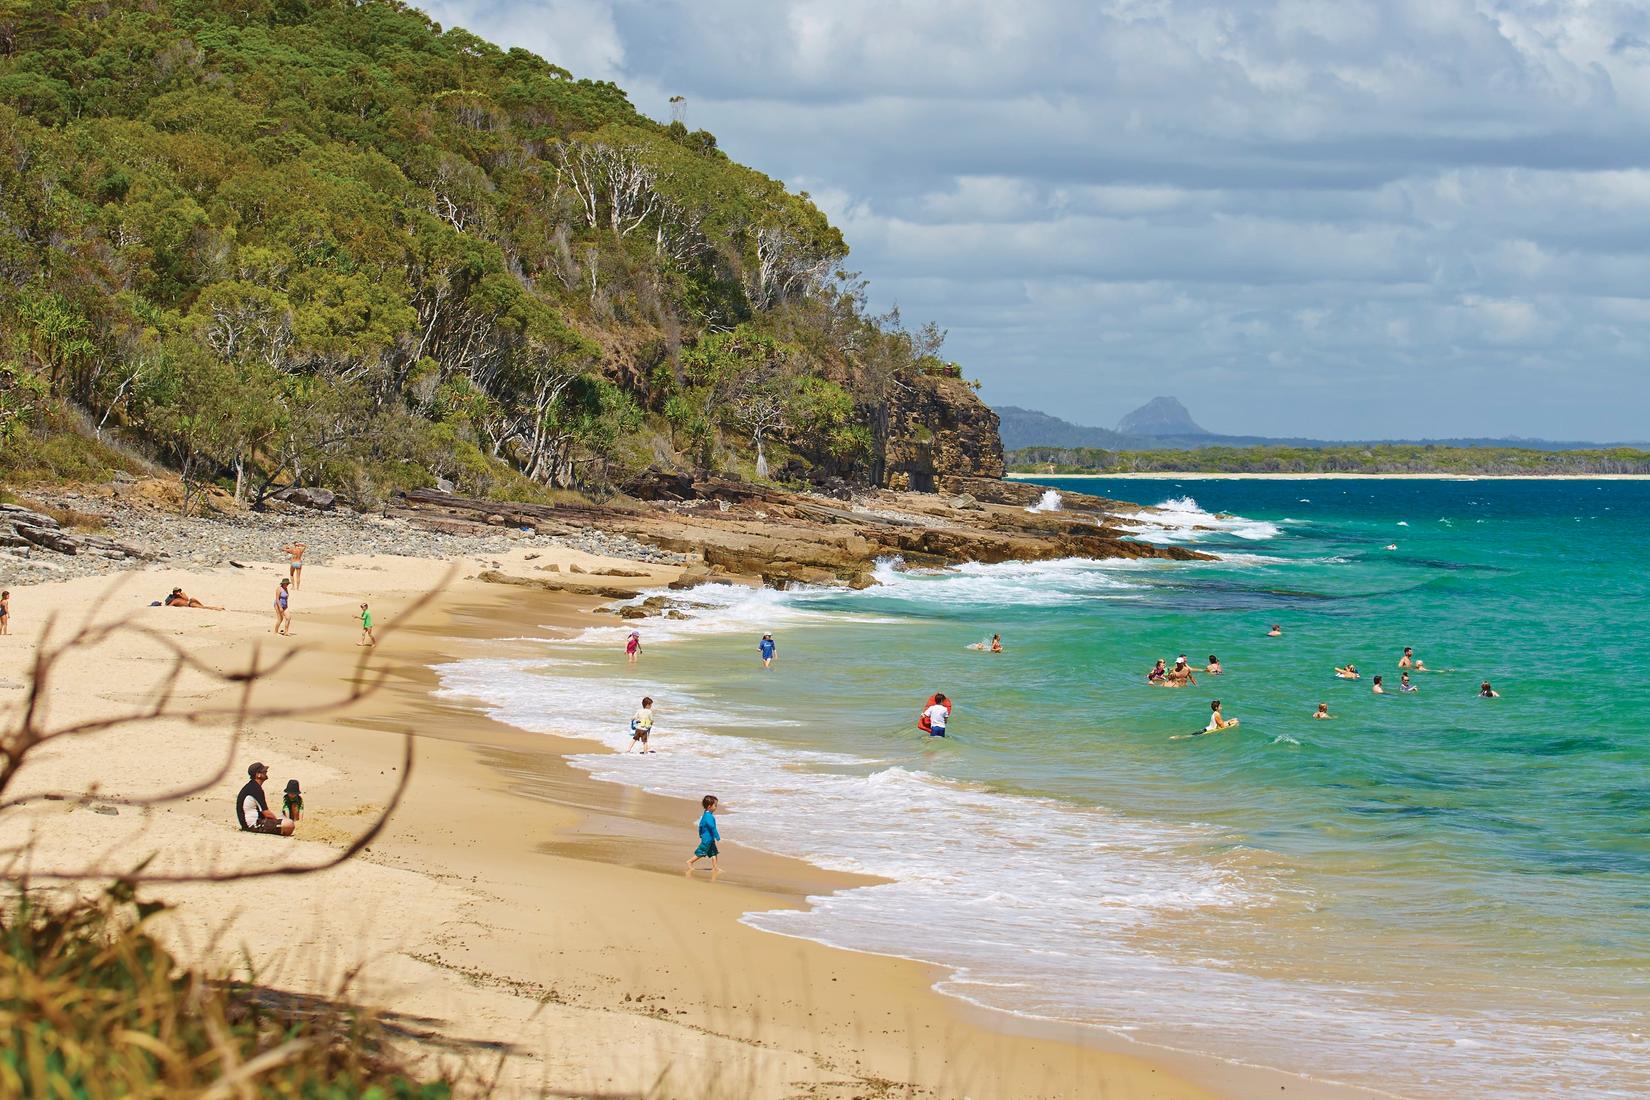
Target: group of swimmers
1181,674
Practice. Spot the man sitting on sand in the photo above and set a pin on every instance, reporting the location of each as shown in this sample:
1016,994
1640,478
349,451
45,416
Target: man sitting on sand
179,598
252,810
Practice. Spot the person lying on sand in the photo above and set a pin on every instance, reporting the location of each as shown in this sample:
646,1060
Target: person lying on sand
1350,672
1322,711
1487,692
179,598
1217,721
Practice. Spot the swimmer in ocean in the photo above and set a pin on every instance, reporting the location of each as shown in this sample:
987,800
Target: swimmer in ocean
1350,672
1322,711
996,643
1275,632
1217,721
1404,684
1408,660
1376,687
1487,692
1158,674
1213,667
1181,674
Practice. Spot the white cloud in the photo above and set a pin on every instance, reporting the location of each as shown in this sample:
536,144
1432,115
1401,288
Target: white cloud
1305,211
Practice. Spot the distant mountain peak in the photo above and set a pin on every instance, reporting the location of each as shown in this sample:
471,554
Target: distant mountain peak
1159,417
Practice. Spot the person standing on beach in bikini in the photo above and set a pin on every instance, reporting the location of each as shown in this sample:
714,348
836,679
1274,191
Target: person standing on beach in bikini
294,552
5,612
633,646
283,614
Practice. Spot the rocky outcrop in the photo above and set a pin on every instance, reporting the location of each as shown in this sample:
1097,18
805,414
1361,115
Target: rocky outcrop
30,530
939,428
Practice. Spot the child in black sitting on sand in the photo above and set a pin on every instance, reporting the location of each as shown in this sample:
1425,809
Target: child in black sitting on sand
292,801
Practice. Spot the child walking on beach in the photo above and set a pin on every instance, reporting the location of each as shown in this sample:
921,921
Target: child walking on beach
5,612
708,834
367,637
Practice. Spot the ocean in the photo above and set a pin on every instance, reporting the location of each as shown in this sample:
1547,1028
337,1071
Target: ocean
1435,893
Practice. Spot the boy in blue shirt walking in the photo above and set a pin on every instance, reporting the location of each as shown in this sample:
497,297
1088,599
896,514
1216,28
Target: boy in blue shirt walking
708,834
767,648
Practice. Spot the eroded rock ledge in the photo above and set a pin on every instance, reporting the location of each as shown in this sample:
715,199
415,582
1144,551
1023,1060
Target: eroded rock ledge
794,538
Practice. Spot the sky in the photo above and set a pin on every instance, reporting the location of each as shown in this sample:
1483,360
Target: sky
1343,219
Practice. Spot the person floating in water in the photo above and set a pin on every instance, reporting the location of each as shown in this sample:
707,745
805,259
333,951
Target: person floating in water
1404,684
1213,667
1408,660
709,835
766,648
1275,632
1217,721
934,719
1375,686
1487,692
1322,711
1158,676
1350,672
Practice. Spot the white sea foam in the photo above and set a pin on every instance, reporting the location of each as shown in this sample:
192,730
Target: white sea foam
1048,502
1182,519
1033,905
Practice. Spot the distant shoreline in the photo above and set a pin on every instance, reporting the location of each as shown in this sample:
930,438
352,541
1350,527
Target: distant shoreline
1184,475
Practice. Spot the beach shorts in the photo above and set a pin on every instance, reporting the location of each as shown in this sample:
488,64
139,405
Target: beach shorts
706,850
265,825
940,732
640,735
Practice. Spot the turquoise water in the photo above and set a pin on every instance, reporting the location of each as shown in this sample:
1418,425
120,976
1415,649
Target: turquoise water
1440,893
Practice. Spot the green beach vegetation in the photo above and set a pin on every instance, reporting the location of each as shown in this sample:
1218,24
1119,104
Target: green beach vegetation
93,1006
331,242
1350,458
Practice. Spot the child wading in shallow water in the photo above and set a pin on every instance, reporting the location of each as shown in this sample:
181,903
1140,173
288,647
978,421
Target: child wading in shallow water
708,834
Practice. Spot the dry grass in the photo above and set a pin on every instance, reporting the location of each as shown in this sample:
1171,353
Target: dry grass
93,1007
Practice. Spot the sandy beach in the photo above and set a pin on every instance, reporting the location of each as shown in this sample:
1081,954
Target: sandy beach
516,918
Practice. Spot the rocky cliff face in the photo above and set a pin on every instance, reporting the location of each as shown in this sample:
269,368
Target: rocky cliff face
938,428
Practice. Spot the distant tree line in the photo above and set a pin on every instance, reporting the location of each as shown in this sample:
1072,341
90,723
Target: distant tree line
1352,458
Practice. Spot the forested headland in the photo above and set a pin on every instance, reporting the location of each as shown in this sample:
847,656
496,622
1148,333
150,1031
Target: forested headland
1351,458
329,242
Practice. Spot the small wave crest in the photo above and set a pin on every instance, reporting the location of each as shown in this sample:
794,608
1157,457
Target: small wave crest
1182,519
